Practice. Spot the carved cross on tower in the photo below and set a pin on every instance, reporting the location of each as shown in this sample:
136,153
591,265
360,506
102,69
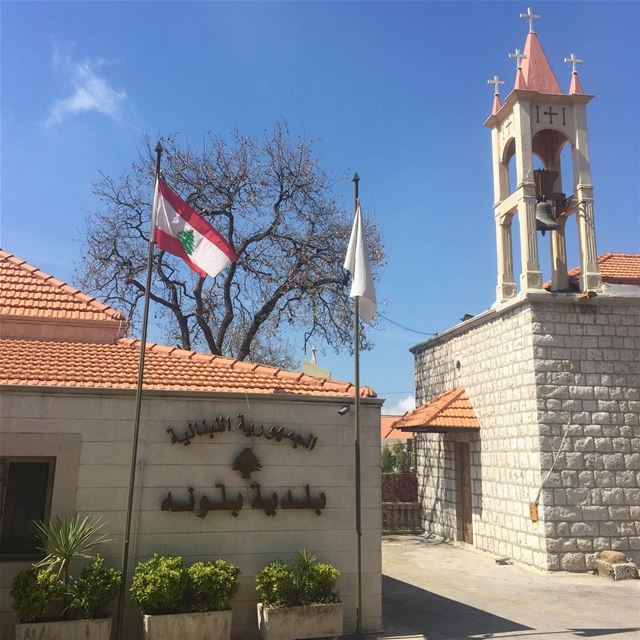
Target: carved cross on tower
519,56
550,113
573,61
496,82
531,17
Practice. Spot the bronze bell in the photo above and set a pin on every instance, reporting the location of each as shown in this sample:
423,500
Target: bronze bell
545,220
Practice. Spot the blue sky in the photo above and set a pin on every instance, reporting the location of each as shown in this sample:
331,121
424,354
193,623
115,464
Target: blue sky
397,91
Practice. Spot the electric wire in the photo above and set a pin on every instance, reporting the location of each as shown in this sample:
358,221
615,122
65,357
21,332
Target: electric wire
402,326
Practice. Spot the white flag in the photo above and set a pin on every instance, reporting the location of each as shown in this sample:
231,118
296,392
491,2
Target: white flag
357,263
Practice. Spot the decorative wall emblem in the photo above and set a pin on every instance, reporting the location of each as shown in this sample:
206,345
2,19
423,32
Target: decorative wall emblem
246,463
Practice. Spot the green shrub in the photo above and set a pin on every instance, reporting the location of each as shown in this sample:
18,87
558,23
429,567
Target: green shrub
275,584
94,589
158,585
309,582
322,584
36,594
212,585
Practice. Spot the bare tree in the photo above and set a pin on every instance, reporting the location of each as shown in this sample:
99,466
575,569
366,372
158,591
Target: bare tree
274,205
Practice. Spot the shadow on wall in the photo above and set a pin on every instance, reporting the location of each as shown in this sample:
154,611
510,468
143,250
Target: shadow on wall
410,610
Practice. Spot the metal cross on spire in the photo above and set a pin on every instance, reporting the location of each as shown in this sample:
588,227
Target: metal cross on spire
573,61
519,56
496,82
531,17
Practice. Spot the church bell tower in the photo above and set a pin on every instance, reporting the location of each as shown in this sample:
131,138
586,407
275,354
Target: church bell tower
537,118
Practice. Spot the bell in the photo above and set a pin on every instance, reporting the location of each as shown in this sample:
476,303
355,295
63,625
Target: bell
545,220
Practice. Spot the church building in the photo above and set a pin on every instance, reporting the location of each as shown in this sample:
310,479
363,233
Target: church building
528,424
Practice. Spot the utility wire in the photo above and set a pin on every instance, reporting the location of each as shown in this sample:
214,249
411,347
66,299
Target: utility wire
402,326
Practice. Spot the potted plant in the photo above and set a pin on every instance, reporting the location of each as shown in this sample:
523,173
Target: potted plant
299,602
54,605
180,602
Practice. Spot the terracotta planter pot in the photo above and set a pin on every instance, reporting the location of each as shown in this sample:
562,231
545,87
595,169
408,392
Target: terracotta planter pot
99,629
296,623
207,625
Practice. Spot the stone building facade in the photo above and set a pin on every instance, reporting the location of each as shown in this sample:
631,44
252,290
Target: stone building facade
534,370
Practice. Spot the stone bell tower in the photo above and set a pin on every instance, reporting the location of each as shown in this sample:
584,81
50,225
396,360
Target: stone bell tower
538,118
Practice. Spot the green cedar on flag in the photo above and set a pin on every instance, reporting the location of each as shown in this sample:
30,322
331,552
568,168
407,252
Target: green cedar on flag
182,232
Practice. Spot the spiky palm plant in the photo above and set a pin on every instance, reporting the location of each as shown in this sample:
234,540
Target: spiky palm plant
64,539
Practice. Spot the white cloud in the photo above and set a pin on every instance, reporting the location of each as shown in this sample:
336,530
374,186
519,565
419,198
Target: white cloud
407,403
91,92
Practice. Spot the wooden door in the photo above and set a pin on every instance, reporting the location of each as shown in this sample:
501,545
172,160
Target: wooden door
463,492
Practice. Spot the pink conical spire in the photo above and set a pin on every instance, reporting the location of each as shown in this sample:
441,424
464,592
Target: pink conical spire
576,87
520,81
496,104
536,69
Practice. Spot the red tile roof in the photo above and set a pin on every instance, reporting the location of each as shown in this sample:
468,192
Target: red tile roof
388,432
27,291
115,366
616,268
449,411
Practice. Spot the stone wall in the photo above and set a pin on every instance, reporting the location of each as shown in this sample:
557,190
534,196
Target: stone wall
96,476
492,358
531,370
587,364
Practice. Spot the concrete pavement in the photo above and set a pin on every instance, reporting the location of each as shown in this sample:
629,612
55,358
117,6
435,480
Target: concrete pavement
439,591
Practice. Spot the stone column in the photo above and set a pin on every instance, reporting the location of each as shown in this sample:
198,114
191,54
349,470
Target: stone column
590,278
559,277
506,285
530,274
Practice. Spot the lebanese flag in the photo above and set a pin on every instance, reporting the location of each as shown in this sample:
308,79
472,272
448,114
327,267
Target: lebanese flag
182,232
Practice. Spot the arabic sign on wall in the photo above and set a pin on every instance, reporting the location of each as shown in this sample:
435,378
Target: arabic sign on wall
245,463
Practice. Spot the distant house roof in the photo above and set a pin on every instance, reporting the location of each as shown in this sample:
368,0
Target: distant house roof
450,411
388,432
615,268
31,299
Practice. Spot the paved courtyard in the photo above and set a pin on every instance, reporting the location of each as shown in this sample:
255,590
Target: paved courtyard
439,591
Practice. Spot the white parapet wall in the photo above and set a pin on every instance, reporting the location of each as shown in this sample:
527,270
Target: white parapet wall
90,433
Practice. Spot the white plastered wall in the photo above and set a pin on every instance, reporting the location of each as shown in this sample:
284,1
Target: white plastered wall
104,422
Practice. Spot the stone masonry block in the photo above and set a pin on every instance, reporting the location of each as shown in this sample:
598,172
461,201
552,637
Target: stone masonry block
616,462
582,496
584,529
632,461
604,478
608,529
612,496
572,562
631,496
593,513
586,479
585,444
626,479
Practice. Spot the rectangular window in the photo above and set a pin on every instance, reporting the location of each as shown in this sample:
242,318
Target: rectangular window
25,496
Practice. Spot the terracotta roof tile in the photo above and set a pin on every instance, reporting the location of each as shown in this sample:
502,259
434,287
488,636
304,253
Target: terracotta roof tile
450,410
25,290
388,432
616,268
94,365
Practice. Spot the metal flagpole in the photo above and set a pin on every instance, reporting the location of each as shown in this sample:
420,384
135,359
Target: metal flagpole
356,180
136,428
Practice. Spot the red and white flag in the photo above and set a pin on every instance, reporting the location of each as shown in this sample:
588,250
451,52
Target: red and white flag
182,232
